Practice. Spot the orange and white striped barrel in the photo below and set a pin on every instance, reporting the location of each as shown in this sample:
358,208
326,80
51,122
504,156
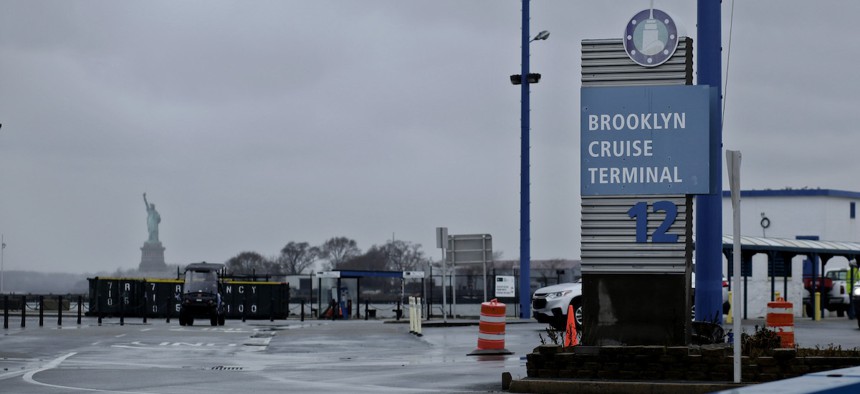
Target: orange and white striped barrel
491,330
780,319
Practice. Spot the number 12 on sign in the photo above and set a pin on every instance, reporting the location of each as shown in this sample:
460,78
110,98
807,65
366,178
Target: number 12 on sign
660,235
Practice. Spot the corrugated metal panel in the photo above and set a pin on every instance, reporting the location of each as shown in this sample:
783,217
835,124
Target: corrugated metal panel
609,236
608,232
799,246
604,63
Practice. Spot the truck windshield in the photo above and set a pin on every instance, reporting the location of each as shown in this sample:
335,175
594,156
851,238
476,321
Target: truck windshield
201,281
837,275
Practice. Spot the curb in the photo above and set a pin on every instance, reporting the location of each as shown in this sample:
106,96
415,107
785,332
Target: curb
531,385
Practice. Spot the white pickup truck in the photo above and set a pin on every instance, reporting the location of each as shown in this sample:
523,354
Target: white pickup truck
837,298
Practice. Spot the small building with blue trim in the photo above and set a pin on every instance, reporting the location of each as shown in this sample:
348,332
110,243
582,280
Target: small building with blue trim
789,234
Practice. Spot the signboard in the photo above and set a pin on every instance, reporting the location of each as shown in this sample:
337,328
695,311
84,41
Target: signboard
441,237
470,249
413,274
506,286
645,151
650,38
328,274
645,140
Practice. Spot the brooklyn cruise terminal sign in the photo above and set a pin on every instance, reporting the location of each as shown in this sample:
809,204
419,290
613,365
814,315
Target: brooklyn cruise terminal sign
644,140
644,153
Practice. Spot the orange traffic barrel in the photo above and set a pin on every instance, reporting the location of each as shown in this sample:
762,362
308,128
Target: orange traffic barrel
780,319
491,329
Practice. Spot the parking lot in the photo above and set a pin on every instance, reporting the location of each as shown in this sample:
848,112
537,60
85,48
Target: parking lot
312,356
354,356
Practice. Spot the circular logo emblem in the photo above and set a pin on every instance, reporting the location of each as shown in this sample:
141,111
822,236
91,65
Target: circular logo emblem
650,38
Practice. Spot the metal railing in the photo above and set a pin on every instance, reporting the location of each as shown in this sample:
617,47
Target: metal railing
24,306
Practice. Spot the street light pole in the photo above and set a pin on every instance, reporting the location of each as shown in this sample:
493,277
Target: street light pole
2,251
709,207
525,217
524,80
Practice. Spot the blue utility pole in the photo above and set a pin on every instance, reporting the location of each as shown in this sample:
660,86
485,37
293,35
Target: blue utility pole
709,207
525,219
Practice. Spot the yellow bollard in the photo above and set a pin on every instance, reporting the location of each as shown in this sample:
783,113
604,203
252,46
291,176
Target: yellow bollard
418,310
729,316
412,328
817,309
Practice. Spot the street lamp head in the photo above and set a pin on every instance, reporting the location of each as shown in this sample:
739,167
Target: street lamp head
541,36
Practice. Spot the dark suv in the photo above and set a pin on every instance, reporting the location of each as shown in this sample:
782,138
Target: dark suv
201,295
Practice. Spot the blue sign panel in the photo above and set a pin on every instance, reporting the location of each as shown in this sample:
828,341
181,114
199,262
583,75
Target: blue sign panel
645,140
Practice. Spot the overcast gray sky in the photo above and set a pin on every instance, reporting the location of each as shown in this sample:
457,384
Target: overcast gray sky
254,123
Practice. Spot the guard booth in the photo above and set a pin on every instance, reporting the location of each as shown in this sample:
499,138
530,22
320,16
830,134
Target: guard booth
343,298
136,297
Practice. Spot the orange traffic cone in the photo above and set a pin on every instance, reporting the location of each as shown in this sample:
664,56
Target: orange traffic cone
570,332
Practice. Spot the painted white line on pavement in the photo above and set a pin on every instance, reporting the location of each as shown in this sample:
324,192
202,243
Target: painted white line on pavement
8,375
28,377
174,345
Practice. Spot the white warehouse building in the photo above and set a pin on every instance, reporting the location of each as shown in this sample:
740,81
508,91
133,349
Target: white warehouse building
779,217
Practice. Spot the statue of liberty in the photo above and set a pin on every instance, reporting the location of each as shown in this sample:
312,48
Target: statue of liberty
152,221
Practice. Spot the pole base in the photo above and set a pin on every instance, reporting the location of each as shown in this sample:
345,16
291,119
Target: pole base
489,352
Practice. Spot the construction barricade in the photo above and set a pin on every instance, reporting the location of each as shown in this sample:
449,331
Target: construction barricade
491,329
780,319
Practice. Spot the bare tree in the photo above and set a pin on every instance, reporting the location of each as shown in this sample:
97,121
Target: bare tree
338,250
497,255
249,262
297,256
550,271
373,260
403,255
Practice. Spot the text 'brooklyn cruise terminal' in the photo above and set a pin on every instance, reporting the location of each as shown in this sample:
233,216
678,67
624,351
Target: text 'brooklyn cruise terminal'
644,140
627,175
637,121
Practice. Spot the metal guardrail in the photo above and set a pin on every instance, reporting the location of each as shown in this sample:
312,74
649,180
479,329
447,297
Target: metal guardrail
17,309
25,303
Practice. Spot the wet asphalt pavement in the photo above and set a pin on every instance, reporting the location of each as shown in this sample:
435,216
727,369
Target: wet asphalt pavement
354,356
260,356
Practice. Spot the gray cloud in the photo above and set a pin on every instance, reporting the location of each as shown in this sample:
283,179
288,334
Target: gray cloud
251,124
